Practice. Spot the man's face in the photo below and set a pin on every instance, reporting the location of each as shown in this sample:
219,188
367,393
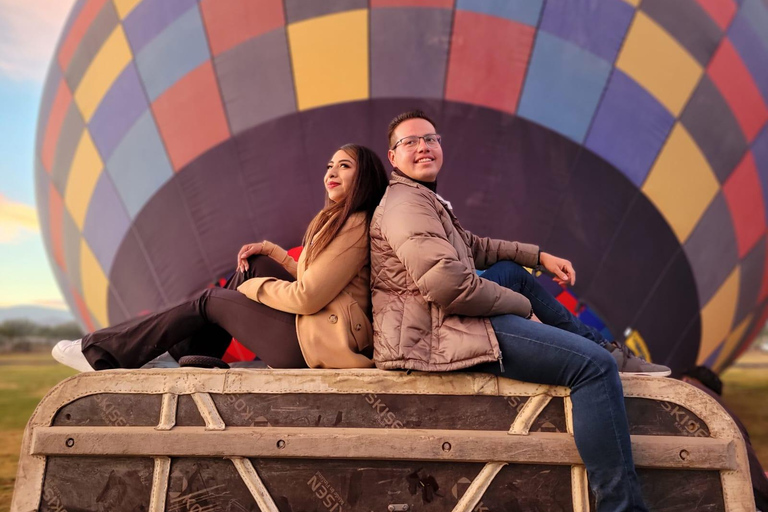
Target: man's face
421,162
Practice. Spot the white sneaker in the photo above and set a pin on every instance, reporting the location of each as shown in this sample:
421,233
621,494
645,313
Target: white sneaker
164,360
70,353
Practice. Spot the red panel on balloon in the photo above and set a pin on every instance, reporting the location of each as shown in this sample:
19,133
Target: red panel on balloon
721,11
82,309
56,224
745,201
190,116
764,288
735,83
489,56
76,33
569,301
231,22
61,103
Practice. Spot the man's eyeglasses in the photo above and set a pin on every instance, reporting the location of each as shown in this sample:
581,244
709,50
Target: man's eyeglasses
410,143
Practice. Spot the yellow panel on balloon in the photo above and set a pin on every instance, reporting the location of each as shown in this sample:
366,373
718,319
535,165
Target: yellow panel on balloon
681,184
109,62
731,342
125,7
655,60
95,284
83,175
330,59
717,316
633,2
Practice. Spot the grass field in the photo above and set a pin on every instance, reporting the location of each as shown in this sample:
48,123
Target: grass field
25,378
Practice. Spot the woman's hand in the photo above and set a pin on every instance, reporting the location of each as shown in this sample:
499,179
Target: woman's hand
559,267
244,253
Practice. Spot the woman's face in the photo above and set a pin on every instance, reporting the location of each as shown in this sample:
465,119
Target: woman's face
339,175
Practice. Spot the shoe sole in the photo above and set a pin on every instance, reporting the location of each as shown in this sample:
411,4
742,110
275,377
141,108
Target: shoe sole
649,374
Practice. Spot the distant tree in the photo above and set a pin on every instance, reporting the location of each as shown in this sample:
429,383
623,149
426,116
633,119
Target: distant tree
12,329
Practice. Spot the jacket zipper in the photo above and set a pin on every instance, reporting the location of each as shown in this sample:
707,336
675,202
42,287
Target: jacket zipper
501,364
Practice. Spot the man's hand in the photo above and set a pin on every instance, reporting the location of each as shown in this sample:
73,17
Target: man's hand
243,254
535,318
558,267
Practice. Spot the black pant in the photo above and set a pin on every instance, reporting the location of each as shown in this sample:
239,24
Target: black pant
203,325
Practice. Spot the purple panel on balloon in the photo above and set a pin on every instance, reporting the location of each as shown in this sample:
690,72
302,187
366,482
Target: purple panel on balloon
256,81
138,288
106,222
751,50
711,249
150,17
98,32
595,26
42,190
398,71
752,267
630,127
760,152
121,107
298,10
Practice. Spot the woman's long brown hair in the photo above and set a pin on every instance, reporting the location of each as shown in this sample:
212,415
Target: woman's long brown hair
367,189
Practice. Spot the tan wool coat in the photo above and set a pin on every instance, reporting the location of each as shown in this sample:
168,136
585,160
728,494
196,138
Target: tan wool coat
430,308
330,298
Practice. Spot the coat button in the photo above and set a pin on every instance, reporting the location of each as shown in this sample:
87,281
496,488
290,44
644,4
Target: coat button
333,319
358,327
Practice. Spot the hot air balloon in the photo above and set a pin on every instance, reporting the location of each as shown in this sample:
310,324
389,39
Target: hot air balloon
626,135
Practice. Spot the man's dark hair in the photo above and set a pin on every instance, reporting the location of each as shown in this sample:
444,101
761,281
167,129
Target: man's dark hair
411,114
706,377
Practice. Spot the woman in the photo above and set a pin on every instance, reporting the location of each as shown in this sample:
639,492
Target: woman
312,313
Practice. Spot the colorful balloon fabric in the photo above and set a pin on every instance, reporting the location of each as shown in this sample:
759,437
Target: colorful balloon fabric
628,136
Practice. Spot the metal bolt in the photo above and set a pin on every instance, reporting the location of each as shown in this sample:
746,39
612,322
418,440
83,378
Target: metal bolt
446,446
400,507
70,442
684,454
281,444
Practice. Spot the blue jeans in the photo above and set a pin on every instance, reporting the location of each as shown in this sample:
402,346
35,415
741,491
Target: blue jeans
569,353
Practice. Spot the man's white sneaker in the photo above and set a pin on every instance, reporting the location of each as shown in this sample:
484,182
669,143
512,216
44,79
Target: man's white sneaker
70,353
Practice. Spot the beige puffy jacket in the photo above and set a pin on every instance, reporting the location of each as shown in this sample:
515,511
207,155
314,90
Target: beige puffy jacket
430,308
331,298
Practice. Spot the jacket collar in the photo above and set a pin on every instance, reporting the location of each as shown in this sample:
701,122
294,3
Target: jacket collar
405,180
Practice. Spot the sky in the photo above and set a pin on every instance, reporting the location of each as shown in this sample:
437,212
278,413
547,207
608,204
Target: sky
29,30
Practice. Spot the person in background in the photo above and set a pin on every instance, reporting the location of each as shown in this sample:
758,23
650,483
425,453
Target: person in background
708,381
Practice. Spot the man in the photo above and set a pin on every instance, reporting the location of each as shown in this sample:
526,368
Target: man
433,313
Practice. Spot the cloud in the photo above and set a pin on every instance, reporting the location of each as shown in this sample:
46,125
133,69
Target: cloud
29,30
17,221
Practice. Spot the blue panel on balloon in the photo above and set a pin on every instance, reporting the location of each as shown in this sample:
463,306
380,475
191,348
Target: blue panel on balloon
139,165
118,111
756,12
106,222
590,319
760,152
630,127
523,11
175,52
709,361
595,26
751,51
546,282
150,17
563,86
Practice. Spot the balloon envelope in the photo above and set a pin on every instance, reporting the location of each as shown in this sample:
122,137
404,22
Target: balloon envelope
626,136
